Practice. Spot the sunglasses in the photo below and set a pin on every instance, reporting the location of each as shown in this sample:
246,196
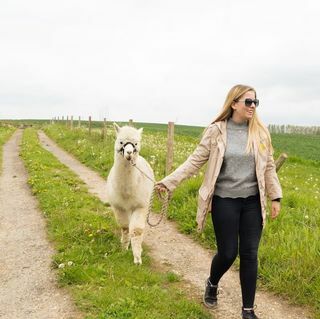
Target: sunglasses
248,102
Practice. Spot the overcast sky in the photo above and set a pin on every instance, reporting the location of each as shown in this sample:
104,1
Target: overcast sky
159,61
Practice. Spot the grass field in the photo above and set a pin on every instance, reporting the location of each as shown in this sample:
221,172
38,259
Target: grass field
290,250
101,277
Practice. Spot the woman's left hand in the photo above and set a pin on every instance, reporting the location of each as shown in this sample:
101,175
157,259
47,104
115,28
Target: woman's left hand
275,209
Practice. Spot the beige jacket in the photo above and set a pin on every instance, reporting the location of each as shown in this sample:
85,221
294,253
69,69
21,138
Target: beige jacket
211,149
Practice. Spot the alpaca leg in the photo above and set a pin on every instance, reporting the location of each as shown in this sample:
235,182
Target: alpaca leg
125,238
136,228
123,220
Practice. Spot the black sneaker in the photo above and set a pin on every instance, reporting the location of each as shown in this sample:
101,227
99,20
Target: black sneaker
210,294
248,314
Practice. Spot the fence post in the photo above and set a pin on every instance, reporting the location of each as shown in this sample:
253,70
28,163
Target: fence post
169,161
104,129
79,122
131,122
71,122
281,159
90,125
67,121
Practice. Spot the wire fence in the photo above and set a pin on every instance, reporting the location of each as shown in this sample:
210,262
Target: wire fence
293,129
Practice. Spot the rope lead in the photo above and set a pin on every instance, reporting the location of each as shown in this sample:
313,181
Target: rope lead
163,199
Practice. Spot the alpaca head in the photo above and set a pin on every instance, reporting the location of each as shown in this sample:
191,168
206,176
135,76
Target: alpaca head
128,141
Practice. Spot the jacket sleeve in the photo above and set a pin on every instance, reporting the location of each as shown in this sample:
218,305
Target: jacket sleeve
194,162
273,186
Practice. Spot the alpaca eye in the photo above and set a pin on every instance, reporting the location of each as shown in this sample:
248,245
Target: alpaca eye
135,144
121,142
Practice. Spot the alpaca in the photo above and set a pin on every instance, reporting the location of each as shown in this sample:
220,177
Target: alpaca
128,190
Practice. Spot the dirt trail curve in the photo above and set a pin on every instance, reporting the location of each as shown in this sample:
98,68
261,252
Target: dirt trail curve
27,284
184,256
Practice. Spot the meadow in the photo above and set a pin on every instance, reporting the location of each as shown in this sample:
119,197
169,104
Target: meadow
90,262
289,258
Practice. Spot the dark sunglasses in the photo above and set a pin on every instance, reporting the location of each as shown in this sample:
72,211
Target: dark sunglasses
248,102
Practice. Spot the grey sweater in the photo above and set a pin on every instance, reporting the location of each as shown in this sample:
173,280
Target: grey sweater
237,177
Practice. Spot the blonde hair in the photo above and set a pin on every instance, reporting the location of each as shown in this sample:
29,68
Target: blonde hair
256,129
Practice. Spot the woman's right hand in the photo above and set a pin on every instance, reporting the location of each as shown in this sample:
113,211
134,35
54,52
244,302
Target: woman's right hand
160,188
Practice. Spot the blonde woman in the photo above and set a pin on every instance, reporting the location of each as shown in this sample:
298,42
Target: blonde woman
239,175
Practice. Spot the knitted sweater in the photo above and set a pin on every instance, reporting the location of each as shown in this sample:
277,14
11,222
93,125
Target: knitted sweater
237,177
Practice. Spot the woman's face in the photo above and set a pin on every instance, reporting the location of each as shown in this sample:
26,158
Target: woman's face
241,111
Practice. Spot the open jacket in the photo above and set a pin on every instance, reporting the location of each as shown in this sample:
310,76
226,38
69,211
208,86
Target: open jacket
211,149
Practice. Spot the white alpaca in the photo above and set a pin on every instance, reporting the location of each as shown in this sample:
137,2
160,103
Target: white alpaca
128,190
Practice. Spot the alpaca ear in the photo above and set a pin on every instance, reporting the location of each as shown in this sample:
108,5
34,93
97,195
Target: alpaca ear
116,127
140,130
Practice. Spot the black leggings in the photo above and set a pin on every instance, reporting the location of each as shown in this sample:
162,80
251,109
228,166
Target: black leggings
237,222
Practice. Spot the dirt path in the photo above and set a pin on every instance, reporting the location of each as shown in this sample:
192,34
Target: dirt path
185,257
27,284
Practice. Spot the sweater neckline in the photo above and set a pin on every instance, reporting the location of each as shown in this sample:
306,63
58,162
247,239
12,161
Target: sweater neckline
234,125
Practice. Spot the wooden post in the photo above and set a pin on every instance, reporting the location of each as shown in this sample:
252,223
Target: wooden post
71,122
131,122
90,125
79,123
279,162
104,129
67,121
169,161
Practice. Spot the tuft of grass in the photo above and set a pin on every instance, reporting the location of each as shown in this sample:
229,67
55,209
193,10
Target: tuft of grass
89,260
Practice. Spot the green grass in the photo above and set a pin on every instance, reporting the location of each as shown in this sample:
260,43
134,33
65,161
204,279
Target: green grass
5,134
101,277
299,147
290,249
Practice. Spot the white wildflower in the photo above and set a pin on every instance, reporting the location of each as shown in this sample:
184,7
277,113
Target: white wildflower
61,266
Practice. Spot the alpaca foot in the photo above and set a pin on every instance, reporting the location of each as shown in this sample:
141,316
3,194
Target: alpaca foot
137,260
125,245
136,244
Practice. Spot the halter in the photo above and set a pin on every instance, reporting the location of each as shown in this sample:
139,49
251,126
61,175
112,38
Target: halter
121,150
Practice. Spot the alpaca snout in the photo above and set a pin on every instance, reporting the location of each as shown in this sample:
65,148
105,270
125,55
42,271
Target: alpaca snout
128,152
128,156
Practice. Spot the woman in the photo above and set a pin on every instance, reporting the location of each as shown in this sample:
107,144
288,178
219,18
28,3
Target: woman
239,175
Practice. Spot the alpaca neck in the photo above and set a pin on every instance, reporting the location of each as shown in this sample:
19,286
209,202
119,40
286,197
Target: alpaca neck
121,163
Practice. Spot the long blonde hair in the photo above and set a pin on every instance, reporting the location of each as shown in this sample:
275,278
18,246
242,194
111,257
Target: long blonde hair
257,129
